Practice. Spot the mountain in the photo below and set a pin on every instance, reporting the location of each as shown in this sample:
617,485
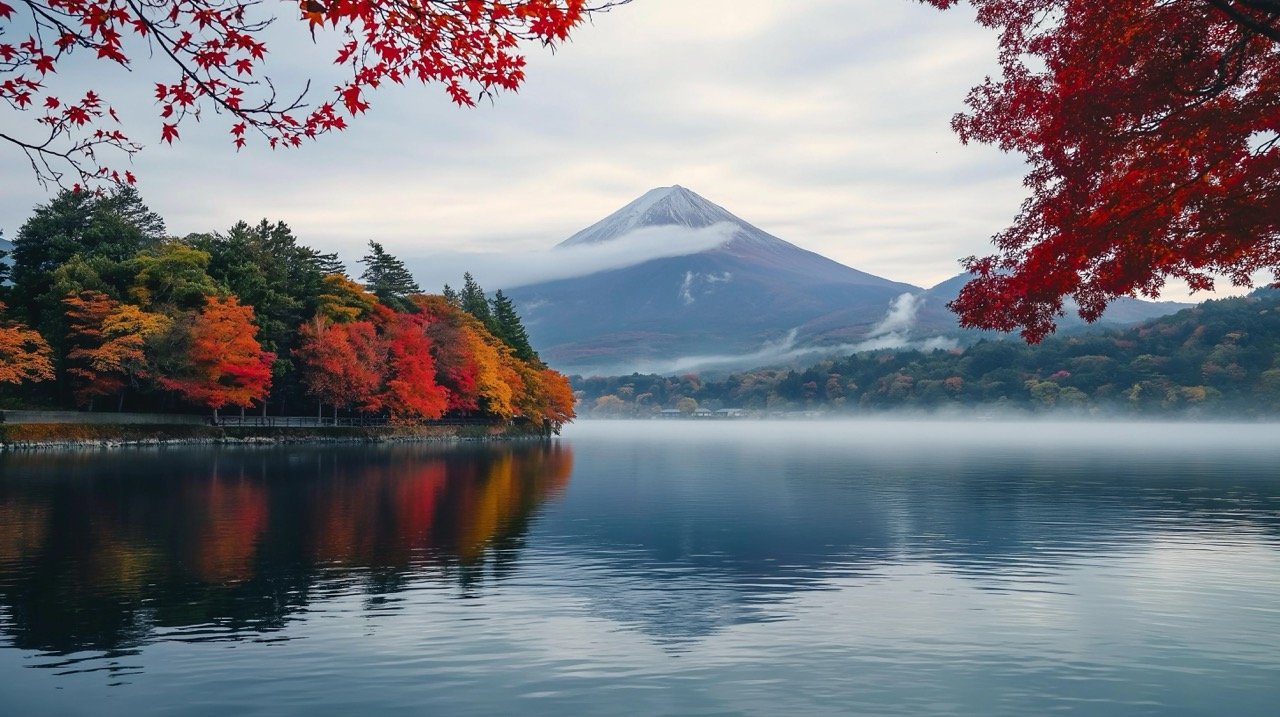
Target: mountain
750,291
752,299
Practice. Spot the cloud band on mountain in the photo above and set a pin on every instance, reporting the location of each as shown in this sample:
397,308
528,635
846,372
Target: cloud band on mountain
507,270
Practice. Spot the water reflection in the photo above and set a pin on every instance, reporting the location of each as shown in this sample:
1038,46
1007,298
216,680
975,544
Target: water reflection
681,534
738,569
101,550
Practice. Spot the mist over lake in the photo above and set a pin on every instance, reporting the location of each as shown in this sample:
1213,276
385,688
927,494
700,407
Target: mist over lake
653,567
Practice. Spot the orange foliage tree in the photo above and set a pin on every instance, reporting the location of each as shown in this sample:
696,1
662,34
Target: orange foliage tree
24,354
215,57
107,342
224,363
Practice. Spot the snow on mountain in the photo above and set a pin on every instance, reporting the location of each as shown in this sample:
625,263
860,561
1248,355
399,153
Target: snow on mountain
663,206
750,291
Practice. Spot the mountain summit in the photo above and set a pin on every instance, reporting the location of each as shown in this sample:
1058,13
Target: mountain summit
660,207
750,290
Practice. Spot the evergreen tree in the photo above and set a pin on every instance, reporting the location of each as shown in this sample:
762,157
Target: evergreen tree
102,229
509,328
473,301
451,295
387,278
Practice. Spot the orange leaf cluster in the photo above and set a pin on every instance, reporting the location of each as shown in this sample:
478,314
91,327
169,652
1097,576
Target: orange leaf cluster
24,354
225,364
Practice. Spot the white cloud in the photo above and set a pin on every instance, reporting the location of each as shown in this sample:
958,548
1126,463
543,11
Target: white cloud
505,270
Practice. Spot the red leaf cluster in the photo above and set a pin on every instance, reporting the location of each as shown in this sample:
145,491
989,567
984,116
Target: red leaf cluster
1152,130
217,57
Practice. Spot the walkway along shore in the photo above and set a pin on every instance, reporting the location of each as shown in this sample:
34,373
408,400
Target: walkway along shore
30,436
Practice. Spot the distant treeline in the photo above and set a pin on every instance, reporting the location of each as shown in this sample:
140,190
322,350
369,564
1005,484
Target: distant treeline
106,311
1217,358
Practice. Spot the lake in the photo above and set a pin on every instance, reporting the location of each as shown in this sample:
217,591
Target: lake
684,567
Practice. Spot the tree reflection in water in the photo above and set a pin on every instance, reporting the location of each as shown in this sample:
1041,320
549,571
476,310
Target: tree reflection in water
100,551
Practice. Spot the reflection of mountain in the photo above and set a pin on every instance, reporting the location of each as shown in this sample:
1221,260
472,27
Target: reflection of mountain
98,550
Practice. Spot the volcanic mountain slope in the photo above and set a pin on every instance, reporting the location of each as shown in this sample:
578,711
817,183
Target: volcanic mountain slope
733,298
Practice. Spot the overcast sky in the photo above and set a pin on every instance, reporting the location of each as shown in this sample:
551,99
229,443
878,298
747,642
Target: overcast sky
824,122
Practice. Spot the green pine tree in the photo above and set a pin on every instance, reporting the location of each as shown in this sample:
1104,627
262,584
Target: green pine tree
387,278
451,295
473,301
509,328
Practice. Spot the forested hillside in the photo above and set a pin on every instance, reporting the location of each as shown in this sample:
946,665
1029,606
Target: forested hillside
1221,357
104,311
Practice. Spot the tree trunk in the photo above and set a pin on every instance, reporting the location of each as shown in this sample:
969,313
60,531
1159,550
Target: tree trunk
120,403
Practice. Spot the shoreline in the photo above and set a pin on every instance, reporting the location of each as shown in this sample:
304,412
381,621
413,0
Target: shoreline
52,436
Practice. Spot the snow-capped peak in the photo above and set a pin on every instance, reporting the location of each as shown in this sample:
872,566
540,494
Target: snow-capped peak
663,206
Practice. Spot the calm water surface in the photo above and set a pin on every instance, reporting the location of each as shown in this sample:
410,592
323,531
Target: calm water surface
889,568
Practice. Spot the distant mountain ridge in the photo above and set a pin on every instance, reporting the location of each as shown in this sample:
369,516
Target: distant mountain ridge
747,299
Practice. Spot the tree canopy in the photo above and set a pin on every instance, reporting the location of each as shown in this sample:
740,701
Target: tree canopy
248,318
211,55
1152,129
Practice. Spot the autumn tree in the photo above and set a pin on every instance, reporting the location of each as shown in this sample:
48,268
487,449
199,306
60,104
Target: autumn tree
107,345
223,364
342,364
211,56
411,393
24,354
1152,130
265,266
342,300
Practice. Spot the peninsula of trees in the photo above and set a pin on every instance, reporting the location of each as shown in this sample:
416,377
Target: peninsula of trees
102,310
